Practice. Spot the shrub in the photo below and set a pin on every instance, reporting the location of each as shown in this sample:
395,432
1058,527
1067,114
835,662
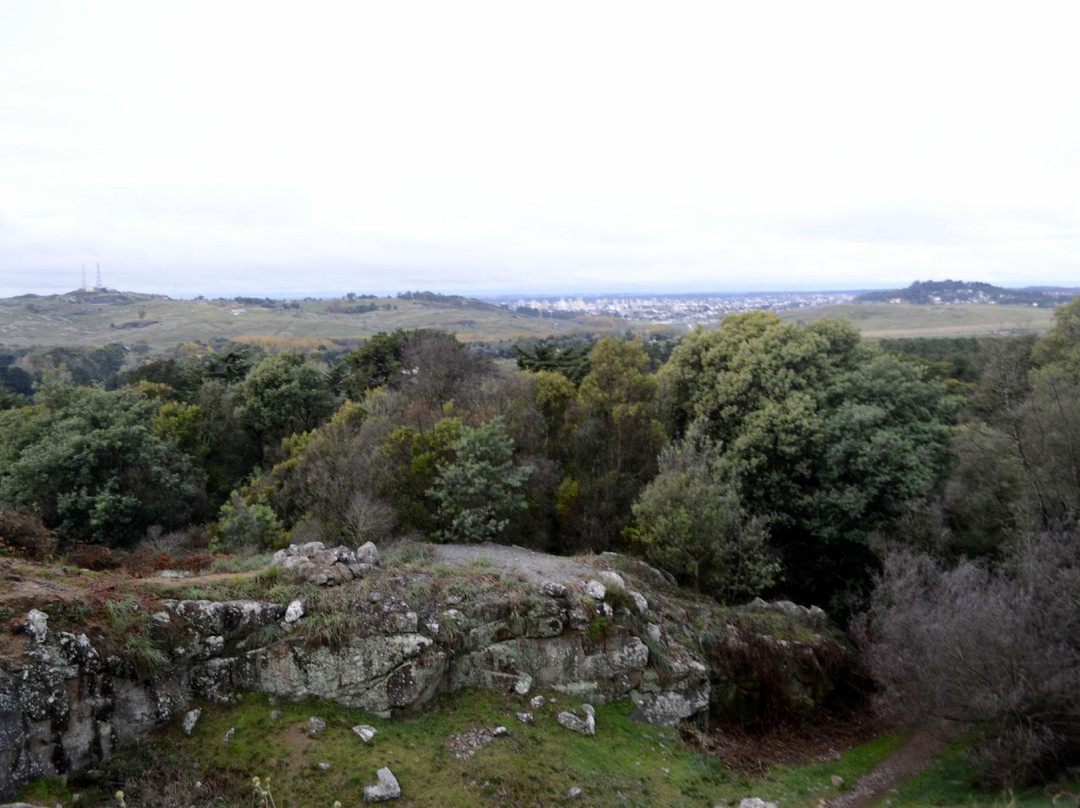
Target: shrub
26,534
998,650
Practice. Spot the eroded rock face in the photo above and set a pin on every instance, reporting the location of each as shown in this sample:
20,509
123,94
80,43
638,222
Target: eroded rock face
65,705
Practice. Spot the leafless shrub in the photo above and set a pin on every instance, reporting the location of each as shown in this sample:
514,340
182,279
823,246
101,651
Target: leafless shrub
998,650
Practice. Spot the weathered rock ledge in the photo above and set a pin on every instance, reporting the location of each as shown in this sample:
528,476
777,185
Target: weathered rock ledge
65,704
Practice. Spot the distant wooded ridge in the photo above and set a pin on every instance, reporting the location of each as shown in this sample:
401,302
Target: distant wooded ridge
947,291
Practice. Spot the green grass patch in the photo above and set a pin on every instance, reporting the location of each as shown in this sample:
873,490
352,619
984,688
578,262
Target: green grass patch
625,764
947,784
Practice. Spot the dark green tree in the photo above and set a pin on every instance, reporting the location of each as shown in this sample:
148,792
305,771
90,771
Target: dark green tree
480,488
826,437
90,463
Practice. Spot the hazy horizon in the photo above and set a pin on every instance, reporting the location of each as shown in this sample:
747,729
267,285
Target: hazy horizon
486,148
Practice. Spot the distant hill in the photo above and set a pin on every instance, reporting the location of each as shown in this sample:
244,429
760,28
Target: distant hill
930,293
154,323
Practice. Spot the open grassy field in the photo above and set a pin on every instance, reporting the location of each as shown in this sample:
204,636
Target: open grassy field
880,320
162,324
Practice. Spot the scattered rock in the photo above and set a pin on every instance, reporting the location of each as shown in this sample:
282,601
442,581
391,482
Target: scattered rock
310,548
612,580
316,726
574,793
161,618
653,631
571,721
553,589
836,780
525,718
294,612
174,574
756,802
275,715
523,684
640,603
324,766
500,732
386,788
537,702
367,553
595,590
191,718
364,732
229,734
37,625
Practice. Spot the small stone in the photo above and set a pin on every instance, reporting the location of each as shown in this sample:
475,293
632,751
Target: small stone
161,618
294,612
275,715
174,574
523,684
537,702
612,580
386,788
574,793
191,718
640,603
595,590
525,718
324,766
310,548
553,589
316,726
364,732
586,725
37,625
755,802
653,632
500,732
229,734
279,557
375,597
368,553
836,781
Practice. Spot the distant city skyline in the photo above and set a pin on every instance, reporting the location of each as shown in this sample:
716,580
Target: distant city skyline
490,148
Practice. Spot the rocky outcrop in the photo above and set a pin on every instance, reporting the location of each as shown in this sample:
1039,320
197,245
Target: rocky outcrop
66,704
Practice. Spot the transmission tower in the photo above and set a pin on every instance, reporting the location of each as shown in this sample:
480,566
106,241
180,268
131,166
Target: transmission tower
99,286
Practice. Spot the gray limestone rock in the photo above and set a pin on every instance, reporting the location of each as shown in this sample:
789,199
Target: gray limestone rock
574,793
612,580
525,718
537,702
294,612
523,684
316,726
364,732
573,722
367,553
595,590
755,802
553,589
37,625
191,718
387,787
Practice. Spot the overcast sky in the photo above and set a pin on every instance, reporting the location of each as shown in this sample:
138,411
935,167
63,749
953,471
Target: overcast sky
315,148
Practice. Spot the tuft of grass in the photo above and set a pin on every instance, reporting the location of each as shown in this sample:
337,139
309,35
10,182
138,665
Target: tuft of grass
241,563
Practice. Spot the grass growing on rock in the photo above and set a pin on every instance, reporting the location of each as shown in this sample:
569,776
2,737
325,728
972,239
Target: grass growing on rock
625,764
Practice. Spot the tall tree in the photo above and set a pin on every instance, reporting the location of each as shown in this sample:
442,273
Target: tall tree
826,437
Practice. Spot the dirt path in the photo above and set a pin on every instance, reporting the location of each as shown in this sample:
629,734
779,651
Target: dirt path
907,761
537,567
